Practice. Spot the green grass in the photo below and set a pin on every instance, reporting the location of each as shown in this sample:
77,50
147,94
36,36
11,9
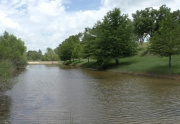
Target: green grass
81,63
139,64
149,64
143,62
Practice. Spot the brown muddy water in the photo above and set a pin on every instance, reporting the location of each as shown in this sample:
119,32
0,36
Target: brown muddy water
49,94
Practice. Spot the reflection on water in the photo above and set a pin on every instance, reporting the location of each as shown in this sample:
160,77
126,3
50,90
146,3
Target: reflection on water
48,94
5,105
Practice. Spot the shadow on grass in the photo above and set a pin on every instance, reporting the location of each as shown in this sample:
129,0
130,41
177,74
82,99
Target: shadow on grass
126,63
99,66
76,62
121,64
90,65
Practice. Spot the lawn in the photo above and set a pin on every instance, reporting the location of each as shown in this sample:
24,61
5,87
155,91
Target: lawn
140,64
149,64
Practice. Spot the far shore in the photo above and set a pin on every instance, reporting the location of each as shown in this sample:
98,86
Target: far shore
42,62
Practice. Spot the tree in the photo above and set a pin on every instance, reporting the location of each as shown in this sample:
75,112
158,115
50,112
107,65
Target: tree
166,41
12,56
88,42
33,55
65,50
40,54
114,37
13,49
146,21
76,53
50,55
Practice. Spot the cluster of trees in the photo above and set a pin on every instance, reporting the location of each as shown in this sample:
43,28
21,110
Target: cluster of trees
12,54
33,55
116,36
163,28
50,55
109,39
70,48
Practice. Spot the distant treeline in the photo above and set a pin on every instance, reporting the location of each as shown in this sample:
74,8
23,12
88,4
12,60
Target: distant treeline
50,55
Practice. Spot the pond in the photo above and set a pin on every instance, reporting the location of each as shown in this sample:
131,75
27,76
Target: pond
50,94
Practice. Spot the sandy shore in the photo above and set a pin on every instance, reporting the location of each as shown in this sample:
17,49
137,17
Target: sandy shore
42,62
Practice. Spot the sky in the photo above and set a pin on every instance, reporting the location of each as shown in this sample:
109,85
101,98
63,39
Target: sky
47,23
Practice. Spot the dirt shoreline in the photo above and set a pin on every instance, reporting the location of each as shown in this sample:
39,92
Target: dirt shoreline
165,76
42,62
170,77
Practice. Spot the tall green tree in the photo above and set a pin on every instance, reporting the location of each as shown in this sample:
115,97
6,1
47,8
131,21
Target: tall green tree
114,37
88,43
146,21
12,56
166,41
65,49
76,53
13,49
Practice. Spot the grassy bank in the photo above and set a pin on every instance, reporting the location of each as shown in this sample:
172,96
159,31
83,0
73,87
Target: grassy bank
152,65
149,64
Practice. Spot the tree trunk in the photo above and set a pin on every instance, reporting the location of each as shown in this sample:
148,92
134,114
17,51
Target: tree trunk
117,61
88,60
79,59
169,61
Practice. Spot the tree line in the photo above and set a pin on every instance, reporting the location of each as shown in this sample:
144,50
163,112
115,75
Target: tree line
12,55
50,55
117,36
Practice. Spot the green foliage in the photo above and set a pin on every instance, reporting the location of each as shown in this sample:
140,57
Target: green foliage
163,28
142,49
13,50
114,37
65,50
88,43
12,56
166,41
5,70
146,21
50,55
176,15
34,55
76,53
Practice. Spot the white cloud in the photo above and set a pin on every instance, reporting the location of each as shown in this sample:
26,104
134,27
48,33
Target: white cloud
7,24
130,6
46,23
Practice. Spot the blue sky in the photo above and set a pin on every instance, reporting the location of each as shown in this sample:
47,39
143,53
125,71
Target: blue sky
47,23
82,5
